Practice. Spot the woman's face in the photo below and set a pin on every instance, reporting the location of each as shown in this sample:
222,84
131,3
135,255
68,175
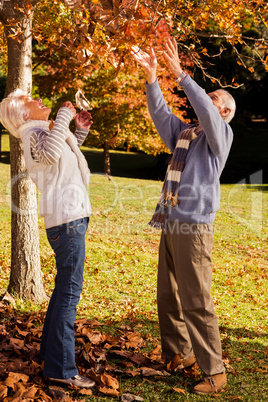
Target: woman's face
37,110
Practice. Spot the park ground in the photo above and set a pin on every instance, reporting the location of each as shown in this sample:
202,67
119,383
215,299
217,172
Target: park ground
117,312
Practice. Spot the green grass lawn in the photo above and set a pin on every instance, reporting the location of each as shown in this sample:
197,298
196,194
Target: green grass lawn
121,269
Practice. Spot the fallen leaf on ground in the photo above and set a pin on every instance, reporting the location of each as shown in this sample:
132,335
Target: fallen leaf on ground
179,390
130,398
109,391
148,372
85,391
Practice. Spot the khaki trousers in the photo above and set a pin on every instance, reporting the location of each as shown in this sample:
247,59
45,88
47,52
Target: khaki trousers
187,319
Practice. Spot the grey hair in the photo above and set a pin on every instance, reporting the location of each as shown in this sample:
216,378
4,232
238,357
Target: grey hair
229,103
13,112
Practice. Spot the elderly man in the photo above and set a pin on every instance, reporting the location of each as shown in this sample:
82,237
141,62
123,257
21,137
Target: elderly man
185,212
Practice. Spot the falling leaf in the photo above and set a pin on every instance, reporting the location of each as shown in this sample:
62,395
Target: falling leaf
81,101
51,124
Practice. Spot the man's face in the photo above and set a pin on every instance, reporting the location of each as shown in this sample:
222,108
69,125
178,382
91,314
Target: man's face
37,110
218,99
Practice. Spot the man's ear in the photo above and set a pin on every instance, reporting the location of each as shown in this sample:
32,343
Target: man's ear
225,112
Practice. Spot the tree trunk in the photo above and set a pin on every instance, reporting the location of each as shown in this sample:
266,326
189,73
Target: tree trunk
0,142
106,153
106,156
25,277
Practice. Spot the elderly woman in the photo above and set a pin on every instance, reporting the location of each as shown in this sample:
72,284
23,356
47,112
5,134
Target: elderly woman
59,169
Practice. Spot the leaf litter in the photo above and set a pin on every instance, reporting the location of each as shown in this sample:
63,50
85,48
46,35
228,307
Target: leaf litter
100,356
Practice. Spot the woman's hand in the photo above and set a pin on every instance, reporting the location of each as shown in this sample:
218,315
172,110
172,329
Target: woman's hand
70,106
83,120
147,61
172,57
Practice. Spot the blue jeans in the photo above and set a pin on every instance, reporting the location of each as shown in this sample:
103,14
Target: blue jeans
58,341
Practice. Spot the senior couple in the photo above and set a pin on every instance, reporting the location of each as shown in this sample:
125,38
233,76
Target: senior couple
185,213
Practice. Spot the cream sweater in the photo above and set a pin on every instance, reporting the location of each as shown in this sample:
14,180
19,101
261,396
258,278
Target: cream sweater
62,174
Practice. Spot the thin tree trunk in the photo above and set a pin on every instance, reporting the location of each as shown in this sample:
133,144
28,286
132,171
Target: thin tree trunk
25,277
106,153
106,156
0,141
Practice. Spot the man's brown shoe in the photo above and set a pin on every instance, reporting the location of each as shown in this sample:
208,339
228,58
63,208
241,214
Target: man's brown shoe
178,363
77,381
188,363
211,384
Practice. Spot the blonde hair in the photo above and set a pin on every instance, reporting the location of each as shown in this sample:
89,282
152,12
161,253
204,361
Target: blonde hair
13,112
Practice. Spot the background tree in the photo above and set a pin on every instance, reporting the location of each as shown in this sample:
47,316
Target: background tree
216,41
25,276
112,27
86,43
225,41
3,78
2,94
119,107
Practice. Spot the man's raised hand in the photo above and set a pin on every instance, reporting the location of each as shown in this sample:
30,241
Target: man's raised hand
172,57
147,61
